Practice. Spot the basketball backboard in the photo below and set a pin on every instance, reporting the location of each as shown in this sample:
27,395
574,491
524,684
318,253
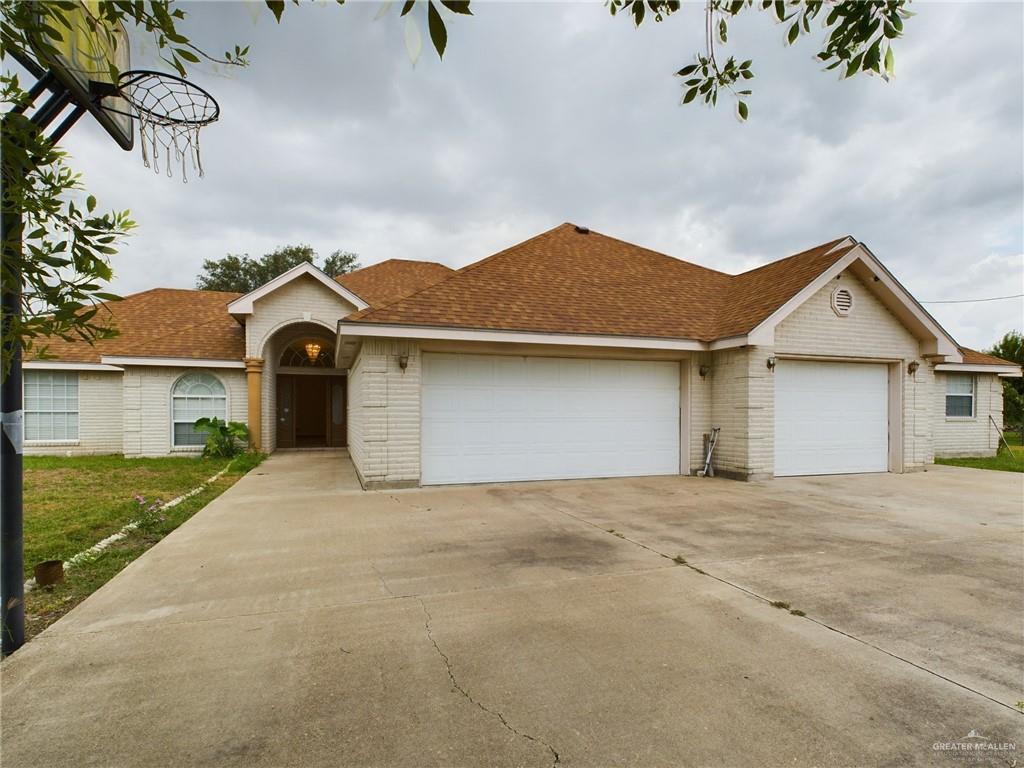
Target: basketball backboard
85,55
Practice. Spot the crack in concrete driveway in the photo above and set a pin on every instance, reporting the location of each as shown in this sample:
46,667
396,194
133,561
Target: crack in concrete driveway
458,687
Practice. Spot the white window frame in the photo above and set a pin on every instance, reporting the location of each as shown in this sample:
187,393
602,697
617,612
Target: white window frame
59,440
227,407
950,377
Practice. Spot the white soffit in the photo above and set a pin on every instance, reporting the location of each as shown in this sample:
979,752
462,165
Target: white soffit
173,362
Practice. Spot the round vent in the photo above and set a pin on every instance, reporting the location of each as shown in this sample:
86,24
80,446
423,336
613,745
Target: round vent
842,301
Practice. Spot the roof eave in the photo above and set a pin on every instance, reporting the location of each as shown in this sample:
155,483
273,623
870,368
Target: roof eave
351,328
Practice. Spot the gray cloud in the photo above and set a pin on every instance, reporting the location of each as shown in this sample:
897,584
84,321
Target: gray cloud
542,113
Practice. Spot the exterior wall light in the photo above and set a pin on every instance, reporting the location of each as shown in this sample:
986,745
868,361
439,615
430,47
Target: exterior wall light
312,352
771,362
403,361
704,370
912,368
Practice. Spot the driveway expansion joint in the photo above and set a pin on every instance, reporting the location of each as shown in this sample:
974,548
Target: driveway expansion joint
458,687
762,598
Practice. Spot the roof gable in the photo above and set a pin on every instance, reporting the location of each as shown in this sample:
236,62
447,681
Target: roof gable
244,304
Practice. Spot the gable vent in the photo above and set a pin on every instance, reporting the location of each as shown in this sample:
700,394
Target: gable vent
842,301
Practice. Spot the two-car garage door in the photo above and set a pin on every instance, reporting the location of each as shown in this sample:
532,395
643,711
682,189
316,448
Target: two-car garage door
831,418
489,418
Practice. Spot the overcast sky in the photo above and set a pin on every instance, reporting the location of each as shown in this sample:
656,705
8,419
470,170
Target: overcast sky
544,113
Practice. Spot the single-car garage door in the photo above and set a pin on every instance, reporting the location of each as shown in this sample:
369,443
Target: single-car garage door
489,418
831,418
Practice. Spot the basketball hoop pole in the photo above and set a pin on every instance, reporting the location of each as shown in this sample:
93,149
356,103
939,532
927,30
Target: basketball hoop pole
12,552
12,591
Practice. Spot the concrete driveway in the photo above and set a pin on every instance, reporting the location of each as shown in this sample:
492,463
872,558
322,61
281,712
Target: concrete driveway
297,621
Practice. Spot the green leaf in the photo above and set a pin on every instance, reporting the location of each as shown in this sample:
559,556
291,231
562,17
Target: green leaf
687,70
889,62
438,33
794,33
638,12
90,203
690,95
854,66
187,55
277,8
457,6
723,31
407,7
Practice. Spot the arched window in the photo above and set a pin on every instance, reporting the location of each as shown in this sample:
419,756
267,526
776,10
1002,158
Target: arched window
308,354
195,395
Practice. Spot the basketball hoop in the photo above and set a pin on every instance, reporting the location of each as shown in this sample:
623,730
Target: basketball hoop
170,111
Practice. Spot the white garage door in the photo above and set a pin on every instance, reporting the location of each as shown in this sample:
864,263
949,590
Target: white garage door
490,418
831,418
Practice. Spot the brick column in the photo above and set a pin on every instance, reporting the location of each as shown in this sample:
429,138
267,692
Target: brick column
254,377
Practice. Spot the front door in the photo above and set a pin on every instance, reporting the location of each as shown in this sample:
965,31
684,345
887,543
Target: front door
310,411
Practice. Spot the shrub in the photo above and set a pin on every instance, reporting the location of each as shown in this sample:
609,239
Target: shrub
224,439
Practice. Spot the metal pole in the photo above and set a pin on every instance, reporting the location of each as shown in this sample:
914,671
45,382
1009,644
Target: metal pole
12,593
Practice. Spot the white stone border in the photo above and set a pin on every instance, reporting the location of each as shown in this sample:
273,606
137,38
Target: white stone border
87,554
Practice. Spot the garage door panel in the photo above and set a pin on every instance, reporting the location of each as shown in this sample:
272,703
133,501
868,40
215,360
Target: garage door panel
547,418
830,418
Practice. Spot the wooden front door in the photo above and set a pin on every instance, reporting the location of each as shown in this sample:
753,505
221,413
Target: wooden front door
311,411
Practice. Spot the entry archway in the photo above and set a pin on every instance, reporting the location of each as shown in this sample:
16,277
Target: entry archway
304,391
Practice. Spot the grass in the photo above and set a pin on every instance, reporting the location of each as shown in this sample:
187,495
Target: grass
72,503
1004,461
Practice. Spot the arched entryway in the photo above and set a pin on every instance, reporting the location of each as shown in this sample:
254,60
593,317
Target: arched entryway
306,390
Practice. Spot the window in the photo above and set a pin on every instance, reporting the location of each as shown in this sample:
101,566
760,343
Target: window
960,395
195,395
51,405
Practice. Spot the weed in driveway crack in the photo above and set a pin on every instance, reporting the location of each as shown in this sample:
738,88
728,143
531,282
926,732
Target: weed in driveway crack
465,693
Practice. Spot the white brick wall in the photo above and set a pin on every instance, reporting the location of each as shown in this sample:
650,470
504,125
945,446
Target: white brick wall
384,412
147,405
969,437
99,418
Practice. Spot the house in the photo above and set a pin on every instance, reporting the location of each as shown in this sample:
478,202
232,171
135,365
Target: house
570,355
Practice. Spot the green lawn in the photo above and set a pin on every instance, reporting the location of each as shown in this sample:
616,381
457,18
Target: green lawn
72,503
1005,461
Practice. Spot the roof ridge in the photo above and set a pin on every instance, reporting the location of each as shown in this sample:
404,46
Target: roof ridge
659,253
455,273
504,251
831,243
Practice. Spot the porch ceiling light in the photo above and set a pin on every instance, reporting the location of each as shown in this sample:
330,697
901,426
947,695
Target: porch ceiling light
312,351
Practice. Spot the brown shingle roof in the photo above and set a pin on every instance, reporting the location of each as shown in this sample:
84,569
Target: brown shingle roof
753,296
390,280
568,281
561,281
162,322
974,357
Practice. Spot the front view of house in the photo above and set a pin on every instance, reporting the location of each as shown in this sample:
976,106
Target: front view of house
570,355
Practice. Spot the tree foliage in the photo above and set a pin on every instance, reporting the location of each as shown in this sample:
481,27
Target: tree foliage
242,273
858,38
1011,347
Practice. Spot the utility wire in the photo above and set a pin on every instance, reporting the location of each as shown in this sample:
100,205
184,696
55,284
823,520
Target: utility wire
974,301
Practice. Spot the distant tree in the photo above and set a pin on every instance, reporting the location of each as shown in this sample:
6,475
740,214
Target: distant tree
242,274
341,263
1011,347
